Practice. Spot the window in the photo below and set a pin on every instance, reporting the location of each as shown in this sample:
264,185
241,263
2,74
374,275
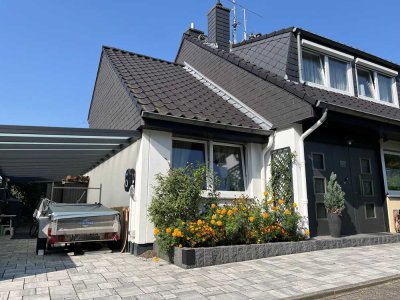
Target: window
227,165
326,67
370,210
319,185
385,88
365,83
313,68
367,188
321,210
318,161
226,161
376,82
186,152
365,164
392,166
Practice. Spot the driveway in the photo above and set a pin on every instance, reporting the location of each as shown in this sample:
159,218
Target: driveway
100,275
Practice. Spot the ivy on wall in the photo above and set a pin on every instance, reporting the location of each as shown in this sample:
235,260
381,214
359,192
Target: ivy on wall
281,182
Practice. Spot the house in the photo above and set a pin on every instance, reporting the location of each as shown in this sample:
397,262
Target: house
237,106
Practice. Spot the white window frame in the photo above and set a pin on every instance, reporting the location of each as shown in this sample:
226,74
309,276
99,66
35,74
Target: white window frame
375,70
313,48
208,148
229,194
390,193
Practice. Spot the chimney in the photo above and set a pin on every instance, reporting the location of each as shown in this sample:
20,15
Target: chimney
218,26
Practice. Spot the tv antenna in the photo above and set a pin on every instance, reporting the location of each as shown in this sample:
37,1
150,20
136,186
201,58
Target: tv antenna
235,23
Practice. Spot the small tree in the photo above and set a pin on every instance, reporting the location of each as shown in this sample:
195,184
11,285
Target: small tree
334,196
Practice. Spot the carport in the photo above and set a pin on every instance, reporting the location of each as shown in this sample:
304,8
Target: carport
34,153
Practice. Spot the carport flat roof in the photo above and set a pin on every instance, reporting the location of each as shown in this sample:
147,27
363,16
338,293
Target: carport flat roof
35,153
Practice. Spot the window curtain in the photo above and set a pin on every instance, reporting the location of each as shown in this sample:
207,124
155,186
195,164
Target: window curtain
338,74
392,163
365,85
385,88
184,153
312,68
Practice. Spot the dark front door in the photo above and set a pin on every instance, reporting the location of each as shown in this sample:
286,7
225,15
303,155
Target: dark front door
358,173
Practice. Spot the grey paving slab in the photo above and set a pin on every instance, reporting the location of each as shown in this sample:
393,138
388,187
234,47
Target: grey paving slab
104,275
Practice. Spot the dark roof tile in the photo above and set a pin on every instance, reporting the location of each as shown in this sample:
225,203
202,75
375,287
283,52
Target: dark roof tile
168,89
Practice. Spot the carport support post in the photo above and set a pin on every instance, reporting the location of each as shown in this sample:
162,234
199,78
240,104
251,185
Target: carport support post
52,191
101,185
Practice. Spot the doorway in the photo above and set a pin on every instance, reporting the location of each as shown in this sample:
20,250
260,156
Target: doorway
359,174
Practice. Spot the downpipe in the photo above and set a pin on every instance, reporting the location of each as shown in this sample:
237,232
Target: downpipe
302,164
266,150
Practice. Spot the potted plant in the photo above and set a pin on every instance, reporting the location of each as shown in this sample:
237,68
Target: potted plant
334,204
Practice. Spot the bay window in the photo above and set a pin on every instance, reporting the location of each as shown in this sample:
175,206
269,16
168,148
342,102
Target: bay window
326,67
225,161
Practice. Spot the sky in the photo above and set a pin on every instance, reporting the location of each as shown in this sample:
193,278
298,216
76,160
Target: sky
50,49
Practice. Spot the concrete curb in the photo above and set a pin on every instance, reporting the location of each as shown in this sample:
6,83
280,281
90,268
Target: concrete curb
345,289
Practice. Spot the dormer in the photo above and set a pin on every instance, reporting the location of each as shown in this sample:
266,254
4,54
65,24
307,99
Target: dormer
341,72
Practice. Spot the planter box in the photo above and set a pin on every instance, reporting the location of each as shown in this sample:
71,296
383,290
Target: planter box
188,258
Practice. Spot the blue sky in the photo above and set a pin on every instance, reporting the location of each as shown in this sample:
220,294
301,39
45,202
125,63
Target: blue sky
50,49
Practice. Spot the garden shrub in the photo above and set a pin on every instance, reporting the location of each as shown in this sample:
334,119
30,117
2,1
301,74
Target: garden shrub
180,222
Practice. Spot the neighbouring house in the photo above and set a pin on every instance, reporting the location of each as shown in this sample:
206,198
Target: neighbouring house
239,106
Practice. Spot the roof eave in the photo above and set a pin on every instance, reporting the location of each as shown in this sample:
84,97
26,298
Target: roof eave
256,131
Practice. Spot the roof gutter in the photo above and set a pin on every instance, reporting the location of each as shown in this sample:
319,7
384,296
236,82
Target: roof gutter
157,116
303,202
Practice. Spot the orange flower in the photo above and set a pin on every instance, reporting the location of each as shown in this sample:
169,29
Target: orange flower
235,209
294,205
168,230
265,194
251,219
307,232
219,223
213,221
218,211
213,205
156,231
243,208
275,208
214,217
230,212
223,211
221,216
199,222
265,215
287,212
281,201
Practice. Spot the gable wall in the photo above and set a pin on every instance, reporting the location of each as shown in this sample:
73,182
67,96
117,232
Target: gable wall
273,103
111,107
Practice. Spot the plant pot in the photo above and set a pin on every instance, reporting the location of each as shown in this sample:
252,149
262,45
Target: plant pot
335,224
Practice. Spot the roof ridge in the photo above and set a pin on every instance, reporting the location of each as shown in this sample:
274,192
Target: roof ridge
141,55
265,36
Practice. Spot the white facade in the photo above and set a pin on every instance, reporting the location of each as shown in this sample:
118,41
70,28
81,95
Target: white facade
151,155
111,176
290,137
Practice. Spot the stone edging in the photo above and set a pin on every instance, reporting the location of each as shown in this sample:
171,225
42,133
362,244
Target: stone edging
188,258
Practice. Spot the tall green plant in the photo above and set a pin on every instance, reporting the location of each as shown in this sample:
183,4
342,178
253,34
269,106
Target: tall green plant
334,196
178,195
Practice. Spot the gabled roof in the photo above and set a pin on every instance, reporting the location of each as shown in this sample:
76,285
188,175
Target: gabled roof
314,96
168,89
